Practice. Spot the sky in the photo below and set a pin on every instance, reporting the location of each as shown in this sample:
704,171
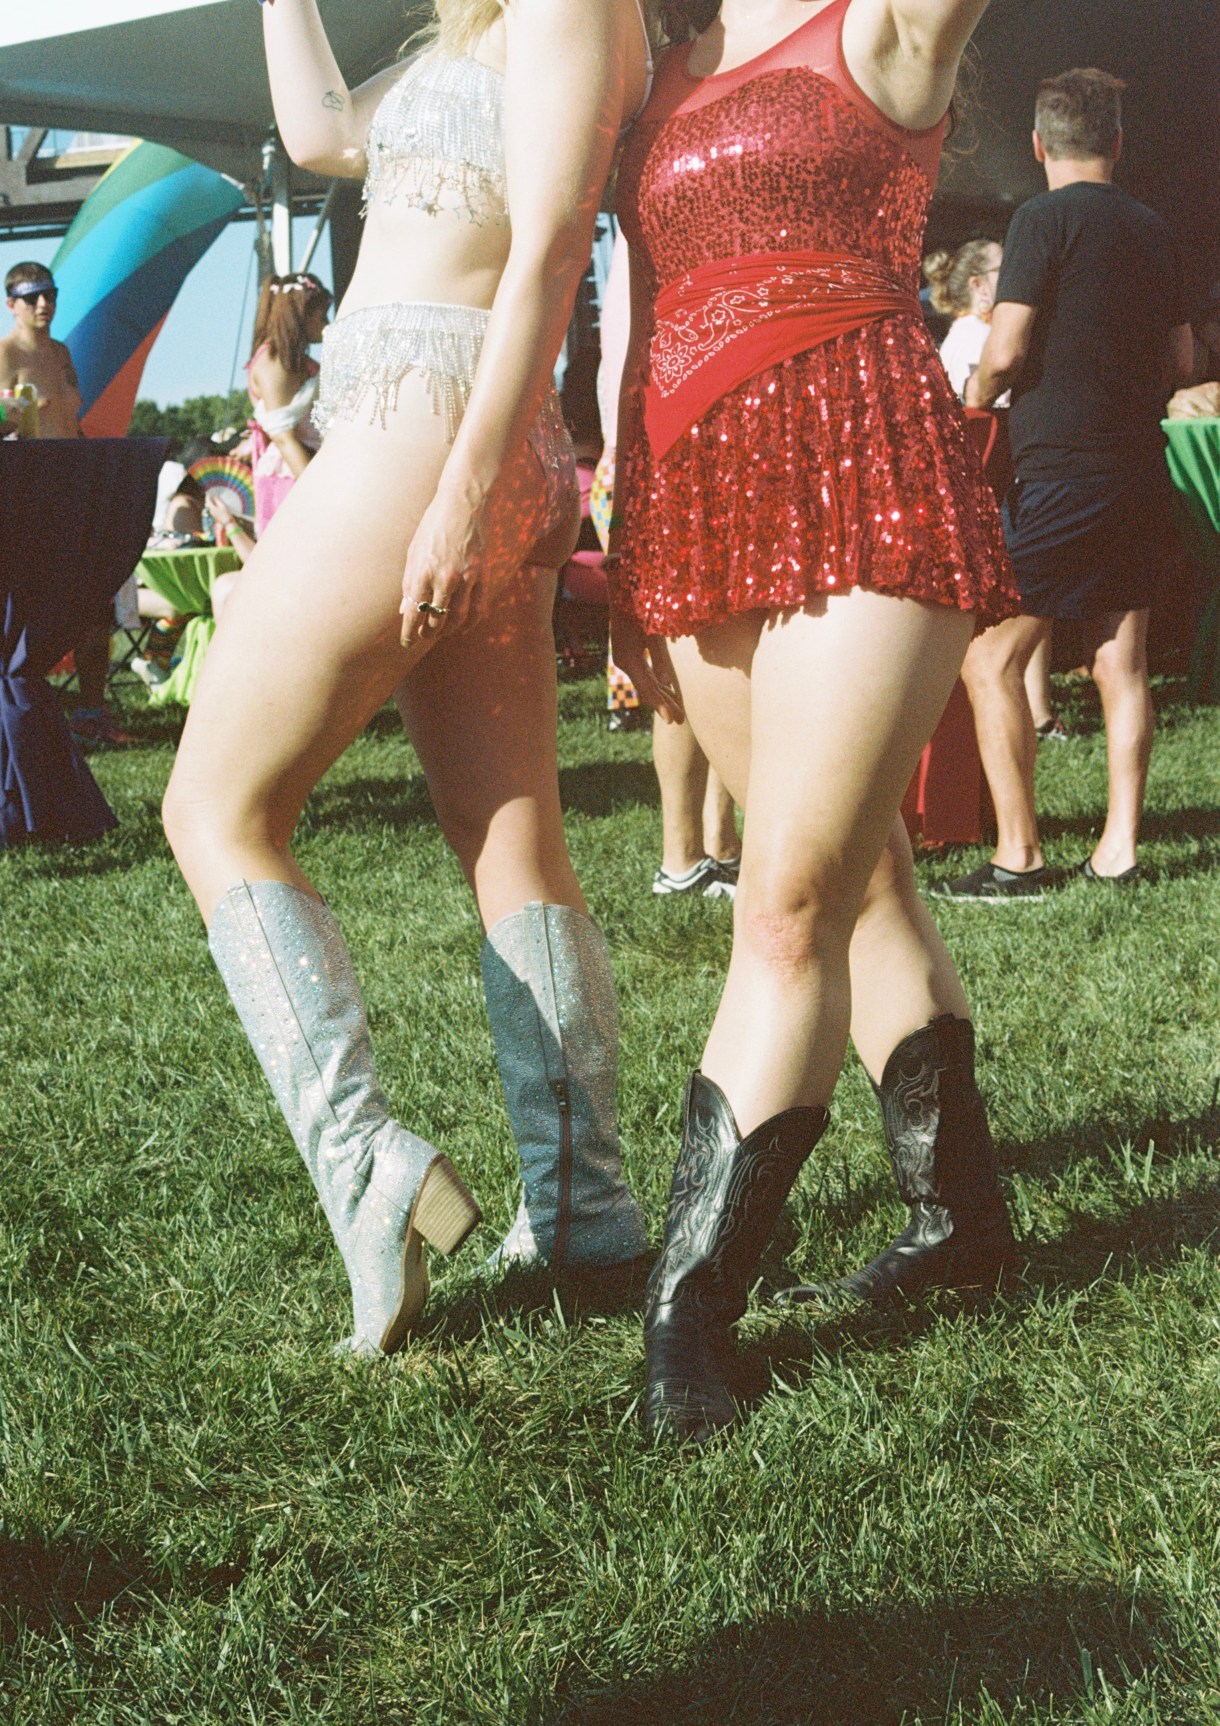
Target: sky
205,331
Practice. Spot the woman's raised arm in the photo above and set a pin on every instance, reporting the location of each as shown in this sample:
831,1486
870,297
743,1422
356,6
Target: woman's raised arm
906,53
323,124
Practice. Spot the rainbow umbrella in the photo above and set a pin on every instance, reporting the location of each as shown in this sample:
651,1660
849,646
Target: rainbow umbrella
135,240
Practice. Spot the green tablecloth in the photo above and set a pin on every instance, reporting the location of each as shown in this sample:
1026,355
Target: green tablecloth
185,578
1193,455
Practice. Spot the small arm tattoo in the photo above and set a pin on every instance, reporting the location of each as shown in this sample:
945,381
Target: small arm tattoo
333,100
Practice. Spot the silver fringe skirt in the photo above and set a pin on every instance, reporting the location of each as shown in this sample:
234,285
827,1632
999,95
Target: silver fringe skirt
367,354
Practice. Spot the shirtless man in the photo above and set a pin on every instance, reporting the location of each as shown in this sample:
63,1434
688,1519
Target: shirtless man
29,354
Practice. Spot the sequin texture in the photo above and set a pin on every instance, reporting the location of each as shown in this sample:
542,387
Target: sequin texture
437,141
847,465
550,999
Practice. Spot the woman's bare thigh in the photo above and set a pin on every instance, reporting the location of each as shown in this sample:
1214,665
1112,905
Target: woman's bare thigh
815,718
481,711
309,646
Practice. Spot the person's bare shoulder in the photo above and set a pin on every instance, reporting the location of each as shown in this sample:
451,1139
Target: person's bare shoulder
8,360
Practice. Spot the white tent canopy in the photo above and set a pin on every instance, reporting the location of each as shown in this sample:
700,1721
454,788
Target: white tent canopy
188,73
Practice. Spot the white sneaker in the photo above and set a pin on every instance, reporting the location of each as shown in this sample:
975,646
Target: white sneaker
695,880
723,883
148,671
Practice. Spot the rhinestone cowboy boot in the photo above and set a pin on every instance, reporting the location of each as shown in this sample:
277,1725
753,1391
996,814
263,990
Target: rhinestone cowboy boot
550,999
385,1192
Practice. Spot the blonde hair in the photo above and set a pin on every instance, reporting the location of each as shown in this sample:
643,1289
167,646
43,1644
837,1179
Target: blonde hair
949,274
459,24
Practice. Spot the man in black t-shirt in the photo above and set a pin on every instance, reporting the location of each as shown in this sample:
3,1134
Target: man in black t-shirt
1090,333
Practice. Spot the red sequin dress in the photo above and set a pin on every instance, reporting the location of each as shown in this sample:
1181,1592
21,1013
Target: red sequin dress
847,464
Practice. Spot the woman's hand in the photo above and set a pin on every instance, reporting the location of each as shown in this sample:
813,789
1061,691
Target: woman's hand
645,659
441,585
1202,402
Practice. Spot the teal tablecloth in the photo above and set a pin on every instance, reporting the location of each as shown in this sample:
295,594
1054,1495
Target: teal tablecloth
185,578
1193,454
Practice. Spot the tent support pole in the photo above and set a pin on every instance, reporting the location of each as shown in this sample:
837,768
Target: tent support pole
320,225
281,209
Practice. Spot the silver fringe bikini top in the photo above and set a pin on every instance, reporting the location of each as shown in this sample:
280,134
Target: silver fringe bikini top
437,138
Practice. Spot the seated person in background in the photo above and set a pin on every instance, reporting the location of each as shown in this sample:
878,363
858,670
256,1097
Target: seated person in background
29,354
183,518
241,539
1200,400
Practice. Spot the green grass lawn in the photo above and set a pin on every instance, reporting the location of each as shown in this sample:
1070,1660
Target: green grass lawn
948,1517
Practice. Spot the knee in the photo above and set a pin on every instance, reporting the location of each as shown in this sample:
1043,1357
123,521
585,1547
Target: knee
1118,674
791,925
200,812
988,667
183,815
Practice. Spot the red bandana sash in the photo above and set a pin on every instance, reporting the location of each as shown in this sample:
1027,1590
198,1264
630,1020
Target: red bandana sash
730,319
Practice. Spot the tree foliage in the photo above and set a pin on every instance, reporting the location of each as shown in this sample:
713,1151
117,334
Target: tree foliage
199,417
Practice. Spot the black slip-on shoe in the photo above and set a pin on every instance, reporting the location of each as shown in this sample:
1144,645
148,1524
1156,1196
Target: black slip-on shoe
991,885
1086,872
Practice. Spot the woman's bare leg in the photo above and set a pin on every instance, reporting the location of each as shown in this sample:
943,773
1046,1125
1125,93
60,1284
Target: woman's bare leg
902,975
307,650
721,839
831,750
682,774
481,711
309,647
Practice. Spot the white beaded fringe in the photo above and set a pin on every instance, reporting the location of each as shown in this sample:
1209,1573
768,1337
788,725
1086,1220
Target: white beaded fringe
369,352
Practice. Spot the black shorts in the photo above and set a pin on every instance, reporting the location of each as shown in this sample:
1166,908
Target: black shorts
1084,547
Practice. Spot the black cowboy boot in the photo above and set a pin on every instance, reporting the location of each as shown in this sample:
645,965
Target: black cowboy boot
727,1193
959,1235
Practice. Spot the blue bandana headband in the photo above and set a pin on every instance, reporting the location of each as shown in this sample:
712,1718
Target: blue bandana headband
31,290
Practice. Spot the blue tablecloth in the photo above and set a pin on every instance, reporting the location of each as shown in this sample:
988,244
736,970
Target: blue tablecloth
74,518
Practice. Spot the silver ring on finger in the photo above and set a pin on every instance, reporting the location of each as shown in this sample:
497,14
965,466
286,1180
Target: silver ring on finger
427,609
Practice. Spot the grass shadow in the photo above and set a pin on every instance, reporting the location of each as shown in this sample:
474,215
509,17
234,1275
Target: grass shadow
58,1588
367,803
1151,1235
1165,824
609,787
1095,1141
523,1290
1048,1647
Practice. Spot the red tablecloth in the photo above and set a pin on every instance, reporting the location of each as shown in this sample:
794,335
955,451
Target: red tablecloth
947,801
